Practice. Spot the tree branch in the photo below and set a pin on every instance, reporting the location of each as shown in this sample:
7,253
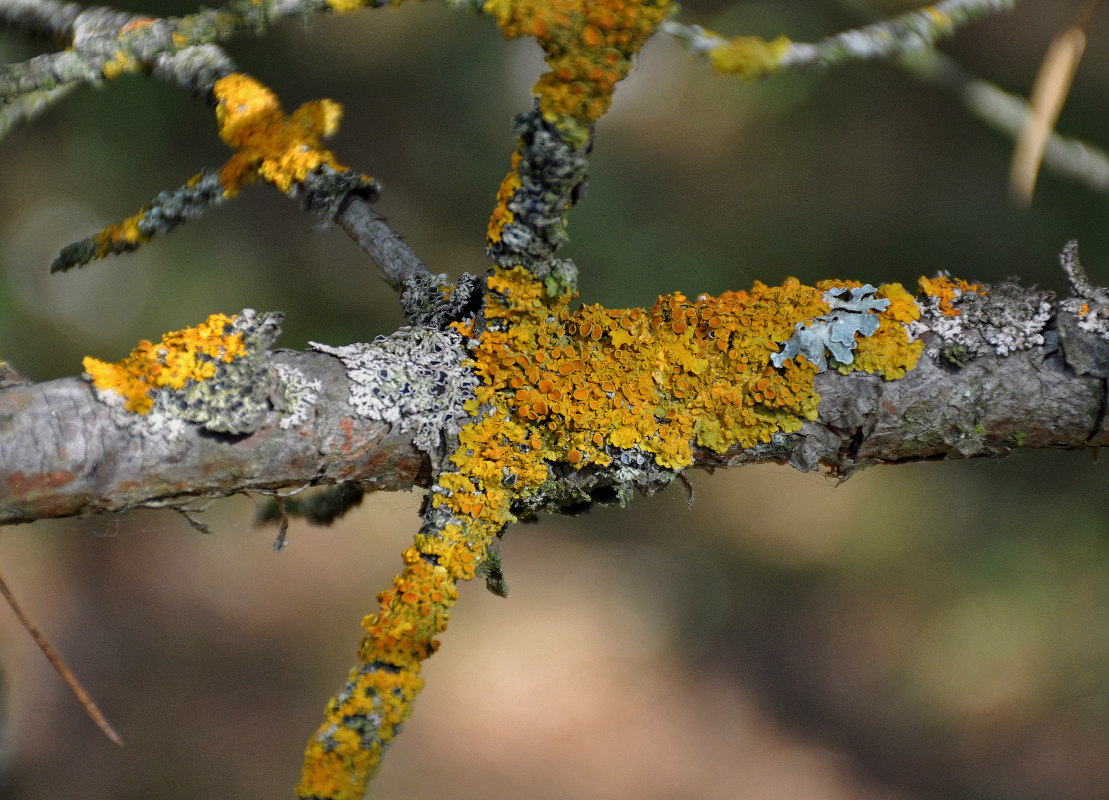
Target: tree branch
65,452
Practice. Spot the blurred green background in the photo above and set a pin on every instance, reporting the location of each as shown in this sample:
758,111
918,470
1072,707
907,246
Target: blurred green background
924,631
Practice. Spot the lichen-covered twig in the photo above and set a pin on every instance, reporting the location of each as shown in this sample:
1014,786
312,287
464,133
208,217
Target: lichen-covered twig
573,407
104,43
161,215
1009,113
306,429
280,149
507,398
751,56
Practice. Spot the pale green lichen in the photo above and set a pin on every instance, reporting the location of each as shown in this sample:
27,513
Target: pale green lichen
414,378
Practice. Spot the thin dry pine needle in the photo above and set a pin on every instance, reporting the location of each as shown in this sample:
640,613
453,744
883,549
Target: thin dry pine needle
56,662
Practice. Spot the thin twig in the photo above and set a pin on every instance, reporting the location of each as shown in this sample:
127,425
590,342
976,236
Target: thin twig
57,663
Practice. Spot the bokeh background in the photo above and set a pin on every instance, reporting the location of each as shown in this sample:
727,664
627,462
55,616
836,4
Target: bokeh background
922,631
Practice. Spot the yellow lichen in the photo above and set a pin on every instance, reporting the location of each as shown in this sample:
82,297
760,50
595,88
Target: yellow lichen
684,371
363,719
125,235
887,351
501,215
279,149
588,44
903,307
749,56
947,290
339,760
181,356
119,64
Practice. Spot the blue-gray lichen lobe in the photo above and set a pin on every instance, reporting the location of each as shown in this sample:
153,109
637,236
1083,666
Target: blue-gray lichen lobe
836,330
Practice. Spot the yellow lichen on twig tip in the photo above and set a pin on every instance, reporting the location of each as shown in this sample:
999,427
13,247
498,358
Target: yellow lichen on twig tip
279,149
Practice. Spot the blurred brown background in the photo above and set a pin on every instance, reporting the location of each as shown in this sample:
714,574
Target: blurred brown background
925,631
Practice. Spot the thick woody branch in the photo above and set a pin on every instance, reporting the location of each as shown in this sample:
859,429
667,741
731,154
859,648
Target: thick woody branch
64,452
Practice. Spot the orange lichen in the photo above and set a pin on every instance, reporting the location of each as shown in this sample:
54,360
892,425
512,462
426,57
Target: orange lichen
947,290
185,355
363,719
340,759
277,148
588,44
661,379
137,24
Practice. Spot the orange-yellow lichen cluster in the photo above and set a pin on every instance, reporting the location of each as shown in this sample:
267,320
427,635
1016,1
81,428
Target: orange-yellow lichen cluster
341,758
589,46
947,290
562,385
181,356
501,215
120,63
749,56
277,148
362,720
683,372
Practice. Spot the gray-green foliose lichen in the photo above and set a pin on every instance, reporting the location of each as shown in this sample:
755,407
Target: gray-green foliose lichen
235,399
416,378
301,395
552,177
